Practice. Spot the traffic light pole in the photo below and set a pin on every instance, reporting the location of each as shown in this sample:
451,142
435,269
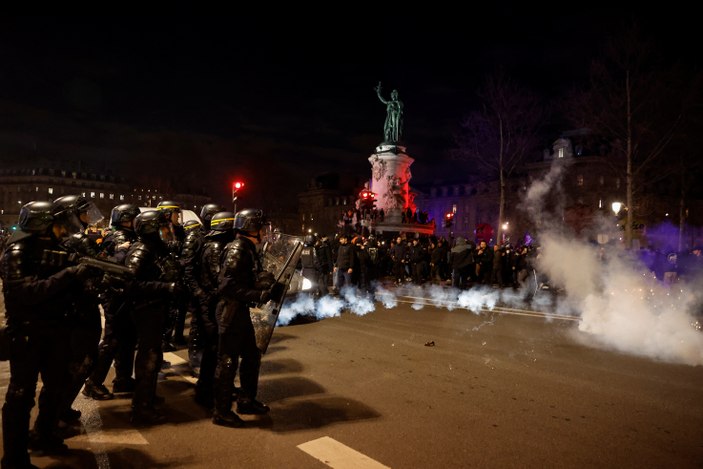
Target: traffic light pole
235,187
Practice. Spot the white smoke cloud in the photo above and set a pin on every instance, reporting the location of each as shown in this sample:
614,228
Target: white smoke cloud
617,301
620,304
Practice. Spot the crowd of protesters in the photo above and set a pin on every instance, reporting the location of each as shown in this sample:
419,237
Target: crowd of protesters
361,260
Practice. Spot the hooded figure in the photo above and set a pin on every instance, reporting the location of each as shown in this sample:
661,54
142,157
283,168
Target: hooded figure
461,258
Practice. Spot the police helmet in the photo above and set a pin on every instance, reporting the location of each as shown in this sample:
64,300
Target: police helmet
207,212
36,217
191,225
169,207
123,213
310,240
222,221
249,220
149,223
76,210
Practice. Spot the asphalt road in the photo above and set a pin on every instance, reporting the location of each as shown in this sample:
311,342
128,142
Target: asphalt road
432,388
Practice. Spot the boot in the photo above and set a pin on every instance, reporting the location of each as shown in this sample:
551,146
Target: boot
251,406
227,419
96,391
142,415
124,385
223,386
46,444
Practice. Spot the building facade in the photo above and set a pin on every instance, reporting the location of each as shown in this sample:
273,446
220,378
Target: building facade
19,186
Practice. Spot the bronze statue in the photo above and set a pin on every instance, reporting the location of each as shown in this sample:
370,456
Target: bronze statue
393,127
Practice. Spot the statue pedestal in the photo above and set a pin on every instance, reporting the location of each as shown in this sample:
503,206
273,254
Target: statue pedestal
390,181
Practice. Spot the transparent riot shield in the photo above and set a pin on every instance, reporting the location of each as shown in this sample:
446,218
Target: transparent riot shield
280,257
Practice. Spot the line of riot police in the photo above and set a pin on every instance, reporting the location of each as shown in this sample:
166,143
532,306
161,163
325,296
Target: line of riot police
53,318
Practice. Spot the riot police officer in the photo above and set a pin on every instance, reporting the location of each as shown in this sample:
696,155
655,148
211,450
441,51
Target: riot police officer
155,276
175,320
207,212
119,337
38,289
241,284
220,235
191,258
77,213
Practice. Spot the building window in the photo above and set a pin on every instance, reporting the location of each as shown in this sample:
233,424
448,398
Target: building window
92,195
560,153
36,188
50,190
102,195
112,196
617,183
121,197
601,180
579,180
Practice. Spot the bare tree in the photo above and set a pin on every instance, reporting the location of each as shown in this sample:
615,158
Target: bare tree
497,138
635,102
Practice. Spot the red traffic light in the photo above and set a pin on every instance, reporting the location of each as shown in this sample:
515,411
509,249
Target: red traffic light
449,215
367,195
237,185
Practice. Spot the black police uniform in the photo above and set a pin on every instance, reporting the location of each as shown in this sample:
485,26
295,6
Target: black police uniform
155,275
119,337
39,290
205,316
238,289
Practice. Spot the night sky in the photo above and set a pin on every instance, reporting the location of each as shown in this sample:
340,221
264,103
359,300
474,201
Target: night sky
205,100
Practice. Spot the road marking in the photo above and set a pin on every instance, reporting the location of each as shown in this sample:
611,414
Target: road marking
497,309
176,360
334,454
114,437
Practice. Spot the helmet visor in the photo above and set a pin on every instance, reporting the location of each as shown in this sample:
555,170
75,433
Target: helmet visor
68,224
90,214
267,234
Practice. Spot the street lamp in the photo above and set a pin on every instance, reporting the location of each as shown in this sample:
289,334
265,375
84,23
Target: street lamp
616,206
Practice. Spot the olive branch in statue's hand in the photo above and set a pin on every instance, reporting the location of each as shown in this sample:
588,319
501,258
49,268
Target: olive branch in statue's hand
378,87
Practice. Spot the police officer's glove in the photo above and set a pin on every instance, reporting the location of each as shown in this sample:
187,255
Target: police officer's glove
84,272
265,296
264,280
115,283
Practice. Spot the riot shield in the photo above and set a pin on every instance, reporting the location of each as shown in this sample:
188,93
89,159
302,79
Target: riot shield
280,257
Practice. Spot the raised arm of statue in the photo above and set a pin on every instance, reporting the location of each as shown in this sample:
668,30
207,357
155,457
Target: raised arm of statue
378,93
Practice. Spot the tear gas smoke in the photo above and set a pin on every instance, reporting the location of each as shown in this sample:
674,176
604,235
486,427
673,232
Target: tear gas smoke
618,302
